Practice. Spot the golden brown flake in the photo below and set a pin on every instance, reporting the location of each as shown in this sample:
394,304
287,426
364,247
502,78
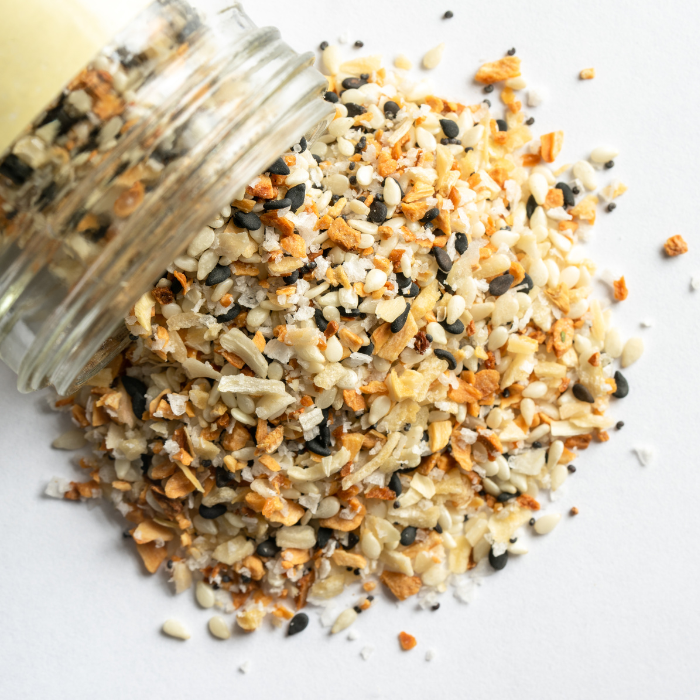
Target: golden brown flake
494,72
620,289
401,585
551,145
344,235
675,245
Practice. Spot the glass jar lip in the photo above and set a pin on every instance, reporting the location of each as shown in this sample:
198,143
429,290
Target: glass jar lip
280,102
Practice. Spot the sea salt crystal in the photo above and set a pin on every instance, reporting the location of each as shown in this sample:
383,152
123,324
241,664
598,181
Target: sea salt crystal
695,282
353,635
57,487
177,403
366,652
244,667
429,655
644,455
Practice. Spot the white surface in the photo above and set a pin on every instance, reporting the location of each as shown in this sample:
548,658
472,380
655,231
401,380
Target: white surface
606,605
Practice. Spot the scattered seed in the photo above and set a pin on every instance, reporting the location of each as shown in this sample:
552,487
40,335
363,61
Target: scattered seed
573,511
175,628
456,328
212,512
546,523
498,562
408,535
218,275
500,285
623,387
398,323
448,15
297,624
344,620
448,356
582,393
442,259
450,128
279,167
219,628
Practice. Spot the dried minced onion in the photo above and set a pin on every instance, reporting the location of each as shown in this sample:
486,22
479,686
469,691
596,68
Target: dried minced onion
378,377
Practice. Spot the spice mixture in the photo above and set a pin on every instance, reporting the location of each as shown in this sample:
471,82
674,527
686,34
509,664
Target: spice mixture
367,370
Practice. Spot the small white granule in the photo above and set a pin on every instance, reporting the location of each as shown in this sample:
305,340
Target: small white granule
644,455
344,38
647,323
695,282
57,487
244,667
430,655
534,98
353,635
366,652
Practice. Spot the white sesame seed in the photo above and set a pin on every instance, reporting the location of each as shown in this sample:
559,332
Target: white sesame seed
632,351
175,628
433,57
219,628
392,192
583,170
332,59
538,187
546,523
603,154
345,619
205,594
375,280
341,126
338,183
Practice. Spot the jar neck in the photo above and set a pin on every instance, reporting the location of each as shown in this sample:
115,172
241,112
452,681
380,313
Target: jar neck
204,121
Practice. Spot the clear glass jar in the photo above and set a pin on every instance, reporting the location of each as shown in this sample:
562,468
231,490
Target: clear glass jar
144,147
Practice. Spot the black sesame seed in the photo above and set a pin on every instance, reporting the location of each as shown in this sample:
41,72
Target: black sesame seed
582,393
323,536
438,529
455,328
501,284
291,279
530,206
367,349
498,562
297,624
395,484
212,512
487,102
526,285
317,447
503,497
531,522
351,166
571,468
431,214
530,121
353,83
353,180
513,540
408,535
576,190
398,323
511,52
217,275
505,393
442,258
296,195
230,314
501,123
536,445
391,108
569,200
609,164
355,110
223,477
126,535
448,356
136,389
279,167
448,15
450,128
611,207
324,433
619,425
623,388
353,539
488,89
248,220
359,44
377,212
448,142
361,145
364,76
323,45
330,96
15,169
461,243
397,504
277,204
303,144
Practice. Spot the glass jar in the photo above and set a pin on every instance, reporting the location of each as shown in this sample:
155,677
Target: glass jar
142,148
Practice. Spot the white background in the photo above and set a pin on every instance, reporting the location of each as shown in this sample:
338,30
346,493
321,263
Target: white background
606,606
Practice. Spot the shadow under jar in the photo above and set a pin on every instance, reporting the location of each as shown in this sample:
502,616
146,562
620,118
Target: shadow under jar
145,146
